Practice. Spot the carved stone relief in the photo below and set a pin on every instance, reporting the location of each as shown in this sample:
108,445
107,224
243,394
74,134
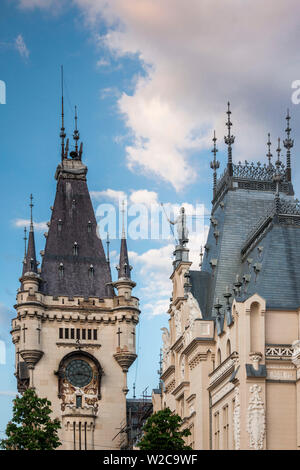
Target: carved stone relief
256,426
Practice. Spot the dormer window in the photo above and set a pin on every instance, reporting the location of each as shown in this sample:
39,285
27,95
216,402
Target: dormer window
31,264
59,225
75,248
73,204
61,271
89,226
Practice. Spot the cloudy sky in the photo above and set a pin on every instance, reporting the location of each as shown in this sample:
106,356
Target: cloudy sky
151,79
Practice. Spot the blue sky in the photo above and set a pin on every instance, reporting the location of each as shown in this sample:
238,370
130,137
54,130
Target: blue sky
151,81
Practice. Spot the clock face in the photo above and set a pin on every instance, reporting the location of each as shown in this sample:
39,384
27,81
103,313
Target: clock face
79,373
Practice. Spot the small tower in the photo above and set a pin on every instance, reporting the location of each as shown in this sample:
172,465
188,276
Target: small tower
125,354
288,144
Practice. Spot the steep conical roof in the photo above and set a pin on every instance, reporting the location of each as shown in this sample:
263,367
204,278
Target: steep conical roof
124,268
74,262
30,263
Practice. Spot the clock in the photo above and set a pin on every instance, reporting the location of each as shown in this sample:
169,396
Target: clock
79,373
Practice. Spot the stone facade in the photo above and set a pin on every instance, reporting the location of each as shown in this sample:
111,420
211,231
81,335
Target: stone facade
231,352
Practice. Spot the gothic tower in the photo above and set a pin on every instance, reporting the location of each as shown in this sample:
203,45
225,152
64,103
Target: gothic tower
73,334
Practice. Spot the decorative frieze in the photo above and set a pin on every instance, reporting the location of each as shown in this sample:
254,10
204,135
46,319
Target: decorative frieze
278,351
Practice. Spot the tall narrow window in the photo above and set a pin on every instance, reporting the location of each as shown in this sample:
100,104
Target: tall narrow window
228,347
72,333
217,430
59,225
89,226
77,333
78,401
95,334
83,333
89,334
225,428
61,333
66,333
74,435
75,248
61,271
219,357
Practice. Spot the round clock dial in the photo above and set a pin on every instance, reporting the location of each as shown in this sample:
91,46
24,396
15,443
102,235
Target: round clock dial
79,373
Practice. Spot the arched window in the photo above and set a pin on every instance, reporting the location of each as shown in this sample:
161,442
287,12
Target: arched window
228,348
219,357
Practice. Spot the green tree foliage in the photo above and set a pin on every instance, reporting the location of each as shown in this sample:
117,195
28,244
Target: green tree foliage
31,427
162,432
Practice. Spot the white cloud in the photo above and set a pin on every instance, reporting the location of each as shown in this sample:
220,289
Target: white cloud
40,226
21,47
195,58
143,196
116,196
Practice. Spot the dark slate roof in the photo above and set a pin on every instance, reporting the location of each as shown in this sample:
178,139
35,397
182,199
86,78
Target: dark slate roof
271,267
74,263
124,268
201,290
30,263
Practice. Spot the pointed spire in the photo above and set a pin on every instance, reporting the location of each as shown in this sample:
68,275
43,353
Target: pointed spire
229,140
62,129
215,164
288,144
124,267
30,262
269,155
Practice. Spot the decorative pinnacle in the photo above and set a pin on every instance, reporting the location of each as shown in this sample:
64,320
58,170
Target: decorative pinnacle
201,256
269,155
31,206
288,144
215,164
62,129
76,132
229,139
218,306
277,178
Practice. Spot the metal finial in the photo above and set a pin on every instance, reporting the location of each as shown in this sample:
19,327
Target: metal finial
107,245
201,256
278,150
76,132
229,140
31,206
123,219
62,129
277,177
269,155
25,240
215,164
288,144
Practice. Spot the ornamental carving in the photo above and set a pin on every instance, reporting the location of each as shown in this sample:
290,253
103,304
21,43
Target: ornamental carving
166,347
237,420
256,426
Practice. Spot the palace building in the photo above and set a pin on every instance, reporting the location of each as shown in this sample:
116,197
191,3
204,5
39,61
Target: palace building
231,354
74,332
